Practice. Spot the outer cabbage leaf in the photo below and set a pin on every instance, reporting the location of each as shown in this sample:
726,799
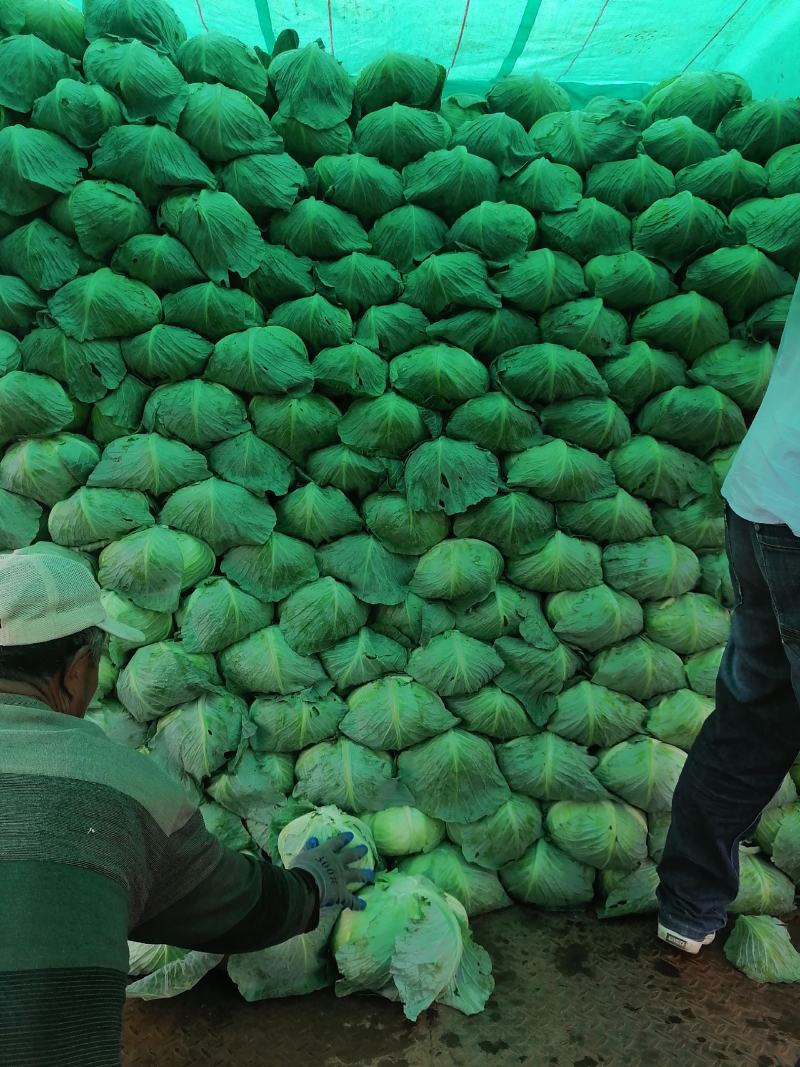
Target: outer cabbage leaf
593,715
503,836
292,723
150,159
104,304
162,676
678,718
36,167
558,471
198,412
492,712
446,475
218,614
394,713
640,668
88,368
317,514
763,889
253,784
397,76
690,623
297,967
312,87
265,663
643,772
760,947
273,570
375,575
387,425
515,522
117,724
364,657
47,470
40,255
212,57
452,663
547,767
655,470
223,124
594,618
547,877
222,514
397,134
91,518
454,777
457,569
478,889
318,615
629,894
263,184
651,569
325,823
29,68
601,833
198,738
167,972
149,84
313,228
350,776
219,233
558,562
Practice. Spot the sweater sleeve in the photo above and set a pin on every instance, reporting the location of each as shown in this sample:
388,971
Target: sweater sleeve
209,898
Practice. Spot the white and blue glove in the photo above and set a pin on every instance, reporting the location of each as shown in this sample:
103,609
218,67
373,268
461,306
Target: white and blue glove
330,867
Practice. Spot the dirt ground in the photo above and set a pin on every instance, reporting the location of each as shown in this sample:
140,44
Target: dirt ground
571,992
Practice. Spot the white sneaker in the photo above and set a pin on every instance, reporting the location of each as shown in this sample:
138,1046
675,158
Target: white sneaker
685,944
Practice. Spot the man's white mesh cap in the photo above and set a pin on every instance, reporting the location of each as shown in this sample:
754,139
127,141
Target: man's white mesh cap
44,597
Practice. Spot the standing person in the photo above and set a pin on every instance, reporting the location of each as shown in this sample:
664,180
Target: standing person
98,845
748,744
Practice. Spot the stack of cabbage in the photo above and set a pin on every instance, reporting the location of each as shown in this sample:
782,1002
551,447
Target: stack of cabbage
397,426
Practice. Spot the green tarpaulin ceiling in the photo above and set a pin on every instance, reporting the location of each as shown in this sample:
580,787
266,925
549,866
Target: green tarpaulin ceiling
615,47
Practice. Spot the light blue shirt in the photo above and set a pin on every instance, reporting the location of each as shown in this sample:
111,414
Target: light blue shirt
764,481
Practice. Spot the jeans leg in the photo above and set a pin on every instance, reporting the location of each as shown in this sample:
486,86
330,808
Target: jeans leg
749,742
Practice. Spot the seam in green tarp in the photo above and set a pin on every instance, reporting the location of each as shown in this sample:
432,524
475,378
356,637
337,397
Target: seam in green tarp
589,36
460,37
330,26
200,15
714,36
265,22
521,37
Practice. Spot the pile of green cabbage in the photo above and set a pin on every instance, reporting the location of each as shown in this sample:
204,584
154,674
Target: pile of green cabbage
396,423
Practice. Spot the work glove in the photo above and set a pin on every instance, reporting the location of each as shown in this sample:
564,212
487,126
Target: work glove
330,866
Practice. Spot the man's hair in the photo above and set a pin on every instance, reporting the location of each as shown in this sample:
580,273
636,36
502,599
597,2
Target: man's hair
24,663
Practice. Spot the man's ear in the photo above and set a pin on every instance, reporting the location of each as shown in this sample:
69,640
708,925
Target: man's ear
76,679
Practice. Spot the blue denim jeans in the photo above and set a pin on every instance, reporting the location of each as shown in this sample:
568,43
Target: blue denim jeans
750,740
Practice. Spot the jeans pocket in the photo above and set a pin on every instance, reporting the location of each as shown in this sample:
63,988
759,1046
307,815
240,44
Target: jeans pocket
780,542
779,550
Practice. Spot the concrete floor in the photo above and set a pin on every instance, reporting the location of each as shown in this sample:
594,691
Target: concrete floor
571,992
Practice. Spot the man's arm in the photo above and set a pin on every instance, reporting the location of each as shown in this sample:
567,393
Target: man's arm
210,898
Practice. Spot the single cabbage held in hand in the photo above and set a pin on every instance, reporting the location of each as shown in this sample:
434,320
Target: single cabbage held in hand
412,943
323,824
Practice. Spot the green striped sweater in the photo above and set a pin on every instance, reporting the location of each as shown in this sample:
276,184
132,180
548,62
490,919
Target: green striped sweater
98,846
